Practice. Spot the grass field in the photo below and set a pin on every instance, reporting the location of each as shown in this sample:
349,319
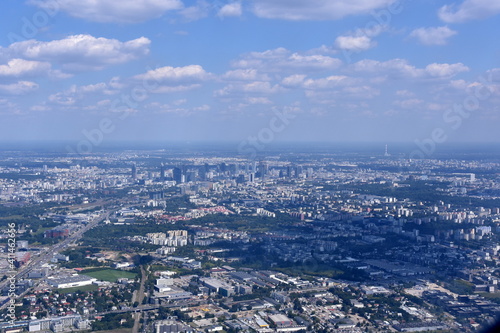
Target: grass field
110,275
91,287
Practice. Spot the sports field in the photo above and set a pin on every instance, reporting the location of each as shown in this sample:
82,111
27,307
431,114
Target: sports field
110,275
91,287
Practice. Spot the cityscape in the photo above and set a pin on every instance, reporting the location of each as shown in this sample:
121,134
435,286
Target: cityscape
194,166
325,239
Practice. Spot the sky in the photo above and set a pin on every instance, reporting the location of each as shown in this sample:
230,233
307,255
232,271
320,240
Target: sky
250,71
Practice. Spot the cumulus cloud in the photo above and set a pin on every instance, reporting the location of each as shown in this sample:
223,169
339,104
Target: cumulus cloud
315,9
75,93
469,10
293,80
405,93
445,70
18,88
167,108
123,11
433,36
364,91
175,89
167,74
258,100
20,67
247,74
232,9
254,88
394,67
408,103
360,39
328,82
173,79
80,52
352,43
196,12
401,68
283,60
260,87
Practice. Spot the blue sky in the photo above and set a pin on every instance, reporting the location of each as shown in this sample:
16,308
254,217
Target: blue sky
277,70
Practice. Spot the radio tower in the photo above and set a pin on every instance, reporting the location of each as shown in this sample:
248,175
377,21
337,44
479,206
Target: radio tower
386,154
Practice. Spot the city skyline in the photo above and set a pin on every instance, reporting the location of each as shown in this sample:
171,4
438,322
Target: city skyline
170,70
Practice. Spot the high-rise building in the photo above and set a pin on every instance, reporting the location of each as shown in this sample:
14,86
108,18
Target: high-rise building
163,172
263,169
177,174
134,171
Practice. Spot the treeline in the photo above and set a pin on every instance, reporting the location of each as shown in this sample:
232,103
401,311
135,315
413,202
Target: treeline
113,321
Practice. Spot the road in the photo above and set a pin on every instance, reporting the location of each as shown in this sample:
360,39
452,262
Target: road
139,296
47,254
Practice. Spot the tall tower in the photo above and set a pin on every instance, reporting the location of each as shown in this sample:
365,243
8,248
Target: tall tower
386,154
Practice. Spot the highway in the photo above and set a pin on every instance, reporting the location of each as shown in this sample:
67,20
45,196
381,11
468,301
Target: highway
47,254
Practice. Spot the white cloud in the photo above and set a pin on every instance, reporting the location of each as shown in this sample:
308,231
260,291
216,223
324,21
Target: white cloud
405,93
257,87
76,93
168,75
293,80
166,108
445,70
173,79
394,67
174,89
408,103
437,106
282,60
123,11
360,39
196,12
433,36
352,43
315,9
258,100
459,84
19,88
80,52
401,68
19,67
231,9
40,108
469,10
328,82
261,87
180,101
248,74
361,92
204,107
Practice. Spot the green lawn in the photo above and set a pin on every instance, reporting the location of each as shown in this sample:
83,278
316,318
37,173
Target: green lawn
91,287
110,275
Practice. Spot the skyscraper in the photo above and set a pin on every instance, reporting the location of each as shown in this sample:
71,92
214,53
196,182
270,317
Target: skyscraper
134,171
177,173
163,172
